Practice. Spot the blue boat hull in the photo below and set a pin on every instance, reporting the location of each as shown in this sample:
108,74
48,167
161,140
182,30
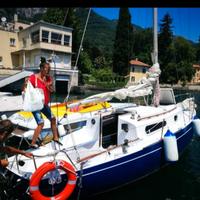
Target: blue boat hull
129,168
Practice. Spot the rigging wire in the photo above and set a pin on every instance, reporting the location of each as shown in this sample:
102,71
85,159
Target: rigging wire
80,47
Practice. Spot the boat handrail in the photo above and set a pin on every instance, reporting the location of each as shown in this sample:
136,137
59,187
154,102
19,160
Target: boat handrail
54,154
105,151
156,115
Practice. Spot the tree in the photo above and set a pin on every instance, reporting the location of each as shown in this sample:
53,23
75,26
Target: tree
185,71
185,57
142,45
55,15
165,45
198,51
85,65
123,43
184,50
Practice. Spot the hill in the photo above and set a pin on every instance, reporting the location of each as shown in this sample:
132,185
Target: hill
100,31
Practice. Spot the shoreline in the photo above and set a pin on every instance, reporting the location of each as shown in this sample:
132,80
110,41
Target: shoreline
4,73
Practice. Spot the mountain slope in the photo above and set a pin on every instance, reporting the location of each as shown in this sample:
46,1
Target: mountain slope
100,31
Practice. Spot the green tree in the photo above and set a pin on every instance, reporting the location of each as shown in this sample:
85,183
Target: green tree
85,65
165,46
103,74
185,57
198,51
142,45
122,44
55,15
185,71
184,50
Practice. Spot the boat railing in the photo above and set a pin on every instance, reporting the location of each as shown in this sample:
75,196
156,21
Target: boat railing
35,156
181,97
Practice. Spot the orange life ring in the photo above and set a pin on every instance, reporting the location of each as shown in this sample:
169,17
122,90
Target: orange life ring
45,168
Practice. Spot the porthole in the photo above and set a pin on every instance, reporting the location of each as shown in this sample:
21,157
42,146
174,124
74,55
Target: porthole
93,121
175,118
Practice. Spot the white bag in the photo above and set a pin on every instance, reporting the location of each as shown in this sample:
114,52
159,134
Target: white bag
33,98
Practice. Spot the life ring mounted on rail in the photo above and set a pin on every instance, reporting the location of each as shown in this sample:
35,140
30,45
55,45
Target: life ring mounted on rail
44,169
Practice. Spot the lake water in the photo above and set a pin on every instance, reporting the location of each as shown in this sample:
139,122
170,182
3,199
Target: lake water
180,181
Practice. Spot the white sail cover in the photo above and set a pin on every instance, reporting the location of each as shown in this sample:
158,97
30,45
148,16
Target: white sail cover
142,89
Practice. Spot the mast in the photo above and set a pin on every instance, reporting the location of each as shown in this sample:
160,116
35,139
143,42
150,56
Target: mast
156,67
155,35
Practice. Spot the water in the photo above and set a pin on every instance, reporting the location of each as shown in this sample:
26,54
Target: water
180,181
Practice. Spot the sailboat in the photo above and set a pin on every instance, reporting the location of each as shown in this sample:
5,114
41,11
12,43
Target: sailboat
106,145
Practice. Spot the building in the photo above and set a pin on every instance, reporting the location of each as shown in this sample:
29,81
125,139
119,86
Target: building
22,46
196,78
138,70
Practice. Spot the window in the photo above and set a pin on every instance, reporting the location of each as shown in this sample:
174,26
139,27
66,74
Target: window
56,38
12,42
24,42
66,60
153,127
74,126
1,59
133,79
45,36
35,36
66,40
37,60
132,68
144,70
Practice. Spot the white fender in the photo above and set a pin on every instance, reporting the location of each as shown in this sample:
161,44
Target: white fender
170,147
196,126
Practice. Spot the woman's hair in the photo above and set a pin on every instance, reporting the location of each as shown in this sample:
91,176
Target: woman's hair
42,62
6,127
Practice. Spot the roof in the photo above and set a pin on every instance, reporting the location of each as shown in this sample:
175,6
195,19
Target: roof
196,66
43,23
138,63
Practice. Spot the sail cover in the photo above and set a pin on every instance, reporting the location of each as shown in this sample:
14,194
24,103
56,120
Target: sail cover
142,89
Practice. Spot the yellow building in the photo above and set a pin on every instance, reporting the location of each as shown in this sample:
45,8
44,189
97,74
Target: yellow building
196,78
22,45
138,70
8,44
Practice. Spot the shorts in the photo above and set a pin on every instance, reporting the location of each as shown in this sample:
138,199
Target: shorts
46,111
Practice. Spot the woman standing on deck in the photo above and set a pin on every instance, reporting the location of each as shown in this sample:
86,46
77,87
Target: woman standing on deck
44,81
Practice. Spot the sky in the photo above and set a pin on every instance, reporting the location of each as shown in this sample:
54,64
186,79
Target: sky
185,22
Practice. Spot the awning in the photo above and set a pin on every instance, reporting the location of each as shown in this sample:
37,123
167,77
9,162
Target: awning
62,77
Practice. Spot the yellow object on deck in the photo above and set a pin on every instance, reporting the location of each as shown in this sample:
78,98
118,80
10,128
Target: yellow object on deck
89,107
60,109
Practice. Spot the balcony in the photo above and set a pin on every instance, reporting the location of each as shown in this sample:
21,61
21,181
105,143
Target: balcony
49,46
